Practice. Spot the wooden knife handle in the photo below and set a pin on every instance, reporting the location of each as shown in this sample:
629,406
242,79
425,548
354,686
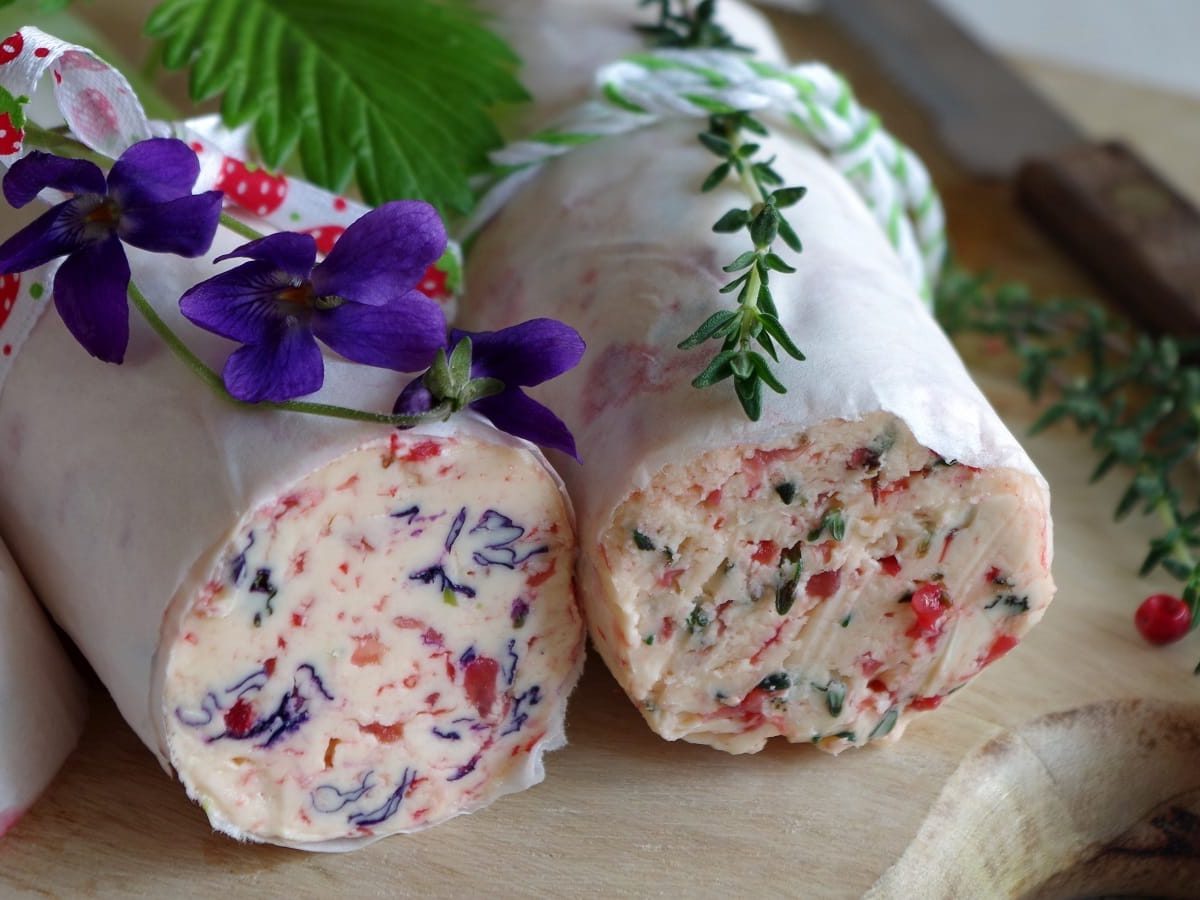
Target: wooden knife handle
1127,224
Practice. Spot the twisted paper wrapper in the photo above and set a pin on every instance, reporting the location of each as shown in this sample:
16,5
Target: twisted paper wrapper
646,88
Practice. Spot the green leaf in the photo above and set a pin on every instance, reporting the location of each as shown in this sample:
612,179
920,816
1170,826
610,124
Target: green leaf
717,370
741,262
777,264
715,177
763,370
835,697
764,227
707,330
749,394
785,197
732,221
716,145
773,327
789,235
394,94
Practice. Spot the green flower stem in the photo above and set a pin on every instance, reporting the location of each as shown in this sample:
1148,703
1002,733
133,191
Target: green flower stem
439,413
238,227
58,143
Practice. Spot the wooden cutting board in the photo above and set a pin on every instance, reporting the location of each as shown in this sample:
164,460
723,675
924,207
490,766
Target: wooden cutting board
1070,767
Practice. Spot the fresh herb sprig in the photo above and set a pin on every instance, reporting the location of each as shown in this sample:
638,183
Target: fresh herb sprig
756,319
679,25
1137,396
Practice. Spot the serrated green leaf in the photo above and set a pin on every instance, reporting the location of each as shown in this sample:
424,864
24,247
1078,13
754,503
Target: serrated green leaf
393,94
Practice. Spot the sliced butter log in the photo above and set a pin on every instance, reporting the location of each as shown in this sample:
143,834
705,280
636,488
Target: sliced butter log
856,556
42,699
330,631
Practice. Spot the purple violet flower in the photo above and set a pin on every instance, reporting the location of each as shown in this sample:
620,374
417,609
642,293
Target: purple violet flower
361,300
146,201
523,355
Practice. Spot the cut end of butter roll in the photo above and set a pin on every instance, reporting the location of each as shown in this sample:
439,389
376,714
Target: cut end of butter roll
758,591
386,645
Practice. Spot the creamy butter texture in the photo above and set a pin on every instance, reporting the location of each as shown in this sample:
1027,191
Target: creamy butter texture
389,644
821,590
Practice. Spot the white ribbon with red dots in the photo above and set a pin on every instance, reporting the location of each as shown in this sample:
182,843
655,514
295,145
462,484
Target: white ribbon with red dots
102,111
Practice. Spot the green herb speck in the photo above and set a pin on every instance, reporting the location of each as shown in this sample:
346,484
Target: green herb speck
641,541
846,621
786,492
777,681
698,620
648,640
886,724
835,697
36,291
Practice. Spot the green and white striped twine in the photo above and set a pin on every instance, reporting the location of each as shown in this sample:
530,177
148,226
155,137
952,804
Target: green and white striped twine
646,88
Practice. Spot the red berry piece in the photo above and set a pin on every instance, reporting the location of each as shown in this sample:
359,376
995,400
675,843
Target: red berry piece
239,719
10,285
480,682
10,48
253,189
1163,619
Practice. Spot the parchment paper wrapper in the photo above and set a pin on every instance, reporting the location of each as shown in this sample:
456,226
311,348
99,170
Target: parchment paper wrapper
149,512
43,702
615,238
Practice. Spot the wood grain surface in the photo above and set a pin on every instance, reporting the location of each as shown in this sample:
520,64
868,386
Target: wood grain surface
989,796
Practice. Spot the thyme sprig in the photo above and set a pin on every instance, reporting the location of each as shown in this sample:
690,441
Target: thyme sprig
679,25
1137,396
756,319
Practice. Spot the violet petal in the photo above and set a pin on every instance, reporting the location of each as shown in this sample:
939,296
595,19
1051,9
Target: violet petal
285,366
153,171
518,414
382,255
414,399
185,226
524,354
90,295
32,174
403,335
49,236
240,304
288,251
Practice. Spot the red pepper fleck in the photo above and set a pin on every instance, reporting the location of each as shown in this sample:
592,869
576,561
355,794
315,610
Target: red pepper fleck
824,584
407,622
269,666
344,568
368,650
385,734
479,678
869,664
999,647
767,553
993,575
928,608
668,628
411,681
1163,619
863,458
713,500
298,621
923,703
239,718
422,451
890,565
717,524
280,642
545,575
670,578
878,685
946,545
899,486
